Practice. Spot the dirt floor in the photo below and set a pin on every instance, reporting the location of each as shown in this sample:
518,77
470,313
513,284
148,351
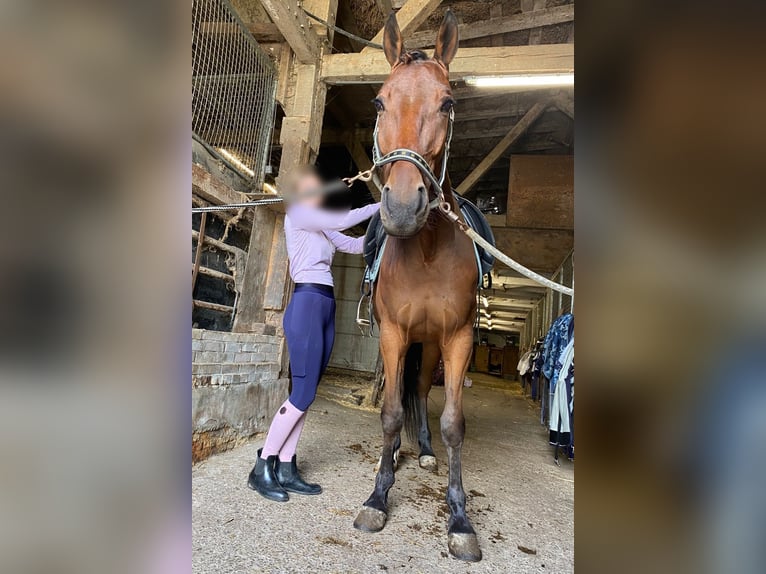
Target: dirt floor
520,502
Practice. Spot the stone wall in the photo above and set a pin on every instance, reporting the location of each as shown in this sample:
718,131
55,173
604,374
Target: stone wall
237,386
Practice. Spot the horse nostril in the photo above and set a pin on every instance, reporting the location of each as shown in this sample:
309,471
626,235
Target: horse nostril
421,189
386,189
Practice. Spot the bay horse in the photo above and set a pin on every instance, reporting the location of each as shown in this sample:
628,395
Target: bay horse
425,297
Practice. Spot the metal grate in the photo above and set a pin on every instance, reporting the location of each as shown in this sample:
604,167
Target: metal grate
233,90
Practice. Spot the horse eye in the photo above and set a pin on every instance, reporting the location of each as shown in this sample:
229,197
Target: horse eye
447,105
378,104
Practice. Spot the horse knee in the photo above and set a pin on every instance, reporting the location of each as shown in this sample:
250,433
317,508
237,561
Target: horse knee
453,429
392,419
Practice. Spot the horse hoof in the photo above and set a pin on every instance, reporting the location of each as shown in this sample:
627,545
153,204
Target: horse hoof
464,546
428,462
370,520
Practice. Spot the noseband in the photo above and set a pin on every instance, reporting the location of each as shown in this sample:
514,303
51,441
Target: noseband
413,157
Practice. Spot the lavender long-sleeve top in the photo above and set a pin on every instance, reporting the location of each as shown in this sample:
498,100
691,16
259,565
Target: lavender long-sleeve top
313,235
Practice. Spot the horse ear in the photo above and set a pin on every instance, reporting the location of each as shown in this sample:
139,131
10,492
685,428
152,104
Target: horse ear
447,39
392,40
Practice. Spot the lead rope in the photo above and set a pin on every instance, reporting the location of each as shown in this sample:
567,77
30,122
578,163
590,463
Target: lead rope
446,209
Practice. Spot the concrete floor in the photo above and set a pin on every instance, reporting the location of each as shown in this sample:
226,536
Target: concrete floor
520,502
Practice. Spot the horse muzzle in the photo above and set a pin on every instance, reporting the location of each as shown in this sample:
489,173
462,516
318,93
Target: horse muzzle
403,218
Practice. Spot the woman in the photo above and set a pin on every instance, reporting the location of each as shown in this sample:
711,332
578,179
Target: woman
313,235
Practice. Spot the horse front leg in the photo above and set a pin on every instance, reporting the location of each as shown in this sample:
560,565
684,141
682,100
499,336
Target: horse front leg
462,540
373,516
431,354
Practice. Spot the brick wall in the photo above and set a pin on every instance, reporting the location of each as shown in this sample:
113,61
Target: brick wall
237,385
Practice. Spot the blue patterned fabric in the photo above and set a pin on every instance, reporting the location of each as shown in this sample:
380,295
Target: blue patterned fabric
555,342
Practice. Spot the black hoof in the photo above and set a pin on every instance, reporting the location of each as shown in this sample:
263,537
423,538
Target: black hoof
370,520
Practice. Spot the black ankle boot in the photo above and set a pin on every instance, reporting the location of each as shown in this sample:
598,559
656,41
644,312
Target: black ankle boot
264,481
290,479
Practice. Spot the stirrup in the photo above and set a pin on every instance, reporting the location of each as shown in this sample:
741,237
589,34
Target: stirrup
365,323
361,321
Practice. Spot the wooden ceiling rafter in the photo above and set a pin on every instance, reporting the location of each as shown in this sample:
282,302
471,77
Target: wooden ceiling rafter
294,25
535,19
411,15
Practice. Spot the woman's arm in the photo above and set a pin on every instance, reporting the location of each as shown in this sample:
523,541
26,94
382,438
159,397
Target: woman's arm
346,244
314,219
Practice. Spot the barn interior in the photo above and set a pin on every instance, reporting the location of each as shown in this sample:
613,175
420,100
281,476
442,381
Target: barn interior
279,84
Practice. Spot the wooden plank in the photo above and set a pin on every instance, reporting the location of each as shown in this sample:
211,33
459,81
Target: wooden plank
499,25
373,68
516,132
285,62
541,192
218,244
215,274
409,18
274,296
210,189
213,306
250,308
294,25
265,32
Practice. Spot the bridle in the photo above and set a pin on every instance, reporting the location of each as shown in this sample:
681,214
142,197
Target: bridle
413,157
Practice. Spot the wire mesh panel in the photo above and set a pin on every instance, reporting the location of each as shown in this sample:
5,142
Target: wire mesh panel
233,90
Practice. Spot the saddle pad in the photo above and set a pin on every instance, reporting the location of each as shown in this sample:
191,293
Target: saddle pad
374,239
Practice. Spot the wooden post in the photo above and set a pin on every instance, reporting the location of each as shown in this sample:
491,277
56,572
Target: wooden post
198,254
267,285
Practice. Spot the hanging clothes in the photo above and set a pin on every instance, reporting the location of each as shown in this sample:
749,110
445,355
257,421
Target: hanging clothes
556,340
523,366
558,337
562,405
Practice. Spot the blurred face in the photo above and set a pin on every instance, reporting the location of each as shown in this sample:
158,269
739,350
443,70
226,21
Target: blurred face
307,189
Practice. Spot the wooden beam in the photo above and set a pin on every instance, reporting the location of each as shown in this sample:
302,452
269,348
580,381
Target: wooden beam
295,27
212,190
218,244
213,306
503,25
214,274
372,67
528,7
409,18
327,10
564,103
265,32
198,253
516,132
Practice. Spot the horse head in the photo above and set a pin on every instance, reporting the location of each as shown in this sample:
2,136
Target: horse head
414,106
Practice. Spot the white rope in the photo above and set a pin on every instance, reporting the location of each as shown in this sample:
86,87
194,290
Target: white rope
479,240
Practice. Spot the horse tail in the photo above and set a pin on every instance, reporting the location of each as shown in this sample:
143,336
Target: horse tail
410,401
